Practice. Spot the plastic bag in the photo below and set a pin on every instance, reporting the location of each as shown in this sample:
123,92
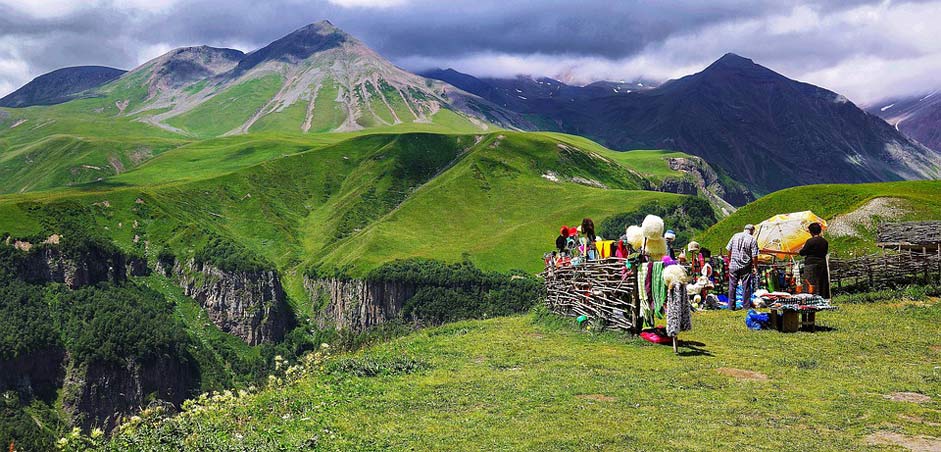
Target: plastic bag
756,320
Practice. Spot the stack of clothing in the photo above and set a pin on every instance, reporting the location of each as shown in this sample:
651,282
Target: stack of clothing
803,302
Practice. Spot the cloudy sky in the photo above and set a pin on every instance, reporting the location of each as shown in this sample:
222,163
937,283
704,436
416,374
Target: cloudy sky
866,50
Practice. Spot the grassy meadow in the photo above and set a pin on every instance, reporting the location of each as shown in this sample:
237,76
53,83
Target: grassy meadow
536,382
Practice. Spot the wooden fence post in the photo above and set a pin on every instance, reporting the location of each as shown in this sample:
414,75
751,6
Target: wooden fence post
924,262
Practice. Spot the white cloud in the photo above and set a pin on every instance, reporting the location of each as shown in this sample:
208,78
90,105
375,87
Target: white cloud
47,9
368,3
14,72
149,52
43,8
571,69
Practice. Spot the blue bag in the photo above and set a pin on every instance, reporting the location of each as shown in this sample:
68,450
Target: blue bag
756,320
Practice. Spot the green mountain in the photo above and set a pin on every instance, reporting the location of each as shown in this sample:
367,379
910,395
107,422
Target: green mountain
317,79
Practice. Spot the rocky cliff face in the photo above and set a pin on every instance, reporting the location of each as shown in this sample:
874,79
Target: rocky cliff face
50,264
250,305
37,374
704,180
356,305
99,394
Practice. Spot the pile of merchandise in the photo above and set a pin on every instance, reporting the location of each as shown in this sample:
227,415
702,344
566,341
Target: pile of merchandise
801,302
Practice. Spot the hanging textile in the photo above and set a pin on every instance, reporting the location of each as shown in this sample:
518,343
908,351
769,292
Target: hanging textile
641,281
642,293
659,289
696,263
679,311
604,248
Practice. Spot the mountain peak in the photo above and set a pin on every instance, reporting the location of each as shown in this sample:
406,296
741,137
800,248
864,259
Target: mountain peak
732,65
731,59
298,45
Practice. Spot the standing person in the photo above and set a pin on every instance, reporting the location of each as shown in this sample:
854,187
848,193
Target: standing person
815,261
588,239
588,230
561,242
670,238
743,252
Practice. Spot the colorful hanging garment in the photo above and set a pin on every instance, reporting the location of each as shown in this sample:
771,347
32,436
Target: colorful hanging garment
659,289
642,294
604,248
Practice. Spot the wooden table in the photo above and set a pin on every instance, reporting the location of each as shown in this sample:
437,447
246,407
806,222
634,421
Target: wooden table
791,320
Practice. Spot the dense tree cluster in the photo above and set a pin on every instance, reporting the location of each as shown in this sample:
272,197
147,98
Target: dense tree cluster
114,323
27,321
449,292
230,256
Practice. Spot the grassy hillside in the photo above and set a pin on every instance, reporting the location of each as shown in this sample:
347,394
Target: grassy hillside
332,203
43,148
913,200
495,205
531,383
351,202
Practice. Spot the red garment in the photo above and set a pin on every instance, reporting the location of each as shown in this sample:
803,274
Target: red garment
656,335
621,252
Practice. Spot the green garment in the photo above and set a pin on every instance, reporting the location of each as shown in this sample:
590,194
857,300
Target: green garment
659,289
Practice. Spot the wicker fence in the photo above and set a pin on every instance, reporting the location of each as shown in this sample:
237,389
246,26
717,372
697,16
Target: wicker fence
888,269
601,290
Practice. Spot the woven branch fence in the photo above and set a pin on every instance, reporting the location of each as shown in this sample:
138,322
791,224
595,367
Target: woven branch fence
887,269
601,290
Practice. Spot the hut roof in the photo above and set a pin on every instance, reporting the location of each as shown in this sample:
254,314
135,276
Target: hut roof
910,235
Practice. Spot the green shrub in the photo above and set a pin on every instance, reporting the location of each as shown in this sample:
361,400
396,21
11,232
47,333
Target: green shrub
113,323
28,425
230,256
372,366
450,292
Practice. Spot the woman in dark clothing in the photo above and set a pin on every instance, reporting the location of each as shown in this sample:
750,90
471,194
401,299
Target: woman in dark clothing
561,242
588,230
815,261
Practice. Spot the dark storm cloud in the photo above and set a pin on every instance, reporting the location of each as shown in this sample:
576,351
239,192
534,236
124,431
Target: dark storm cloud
586,39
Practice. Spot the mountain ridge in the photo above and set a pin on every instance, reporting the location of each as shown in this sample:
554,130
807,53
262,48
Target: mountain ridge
756,125
60,85
918,117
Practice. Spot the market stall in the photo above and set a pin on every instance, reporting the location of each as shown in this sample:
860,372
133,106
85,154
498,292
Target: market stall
783,285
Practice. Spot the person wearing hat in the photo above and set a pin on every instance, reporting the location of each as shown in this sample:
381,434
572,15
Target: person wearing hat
743,254
691,257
